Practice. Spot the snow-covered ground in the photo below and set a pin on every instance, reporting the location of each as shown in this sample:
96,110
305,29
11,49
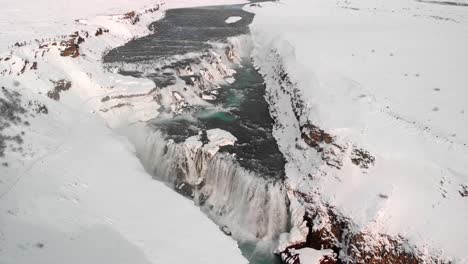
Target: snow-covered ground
389,77
25,21
71,189
383,80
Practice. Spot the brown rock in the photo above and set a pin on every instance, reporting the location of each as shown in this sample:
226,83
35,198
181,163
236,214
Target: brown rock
99,32
34,66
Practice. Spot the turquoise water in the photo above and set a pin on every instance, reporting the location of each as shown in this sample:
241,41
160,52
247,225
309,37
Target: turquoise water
233,99
217,115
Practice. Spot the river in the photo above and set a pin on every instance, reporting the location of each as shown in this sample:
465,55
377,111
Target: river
241,187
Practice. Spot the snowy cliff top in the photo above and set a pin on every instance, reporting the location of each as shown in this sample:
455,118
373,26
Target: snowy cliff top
389,77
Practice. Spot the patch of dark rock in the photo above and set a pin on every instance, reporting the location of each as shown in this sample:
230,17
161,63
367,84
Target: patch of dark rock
60,86
119,105
34,66
122,96
100,31
133,17
24,67
362,158
450,3
202,199
40,245
464,191
394,250
11,111
383,196
71,46
315,136
38,107
71,50
348,246
291,256
323,143
351,8
79,40
226,230
204,137
444,18
184,189
190,79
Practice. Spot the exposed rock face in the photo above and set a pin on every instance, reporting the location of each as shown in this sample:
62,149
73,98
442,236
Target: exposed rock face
387,251
59,86
101,31
34,66
133,17
327,228
339,235
323,143
291,256
26,62
362,158
38,107
72,45
71,49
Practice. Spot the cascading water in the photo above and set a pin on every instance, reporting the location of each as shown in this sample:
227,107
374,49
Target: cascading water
238,181
251,207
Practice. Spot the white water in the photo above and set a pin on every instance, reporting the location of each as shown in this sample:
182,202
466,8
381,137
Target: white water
252,207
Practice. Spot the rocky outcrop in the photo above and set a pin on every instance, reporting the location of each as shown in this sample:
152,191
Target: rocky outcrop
38,107
464,190
101,31
71,47
59,86
327,228
362,158
133,17
323,143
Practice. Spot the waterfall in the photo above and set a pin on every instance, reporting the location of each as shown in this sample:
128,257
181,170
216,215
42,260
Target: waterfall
246,205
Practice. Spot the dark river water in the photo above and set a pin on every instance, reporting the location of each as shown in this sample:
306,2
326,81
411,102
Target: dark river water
239,107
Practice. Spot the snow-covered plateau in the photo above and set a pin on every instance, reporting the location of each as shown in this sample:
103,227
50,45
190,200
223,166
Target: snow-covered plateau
368,100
